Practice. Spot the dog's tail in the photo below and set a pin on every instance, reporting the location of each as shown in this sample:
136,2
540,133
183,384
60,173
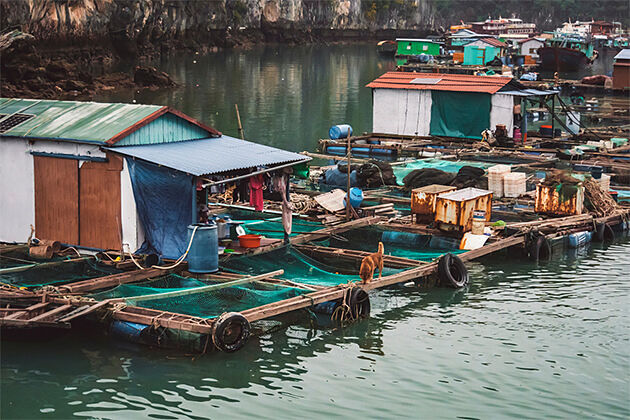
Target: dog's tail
381,248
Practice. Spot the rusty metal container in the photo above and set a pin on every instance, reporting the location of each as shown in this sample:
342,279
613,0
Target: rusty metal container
423,201
454,210
548,201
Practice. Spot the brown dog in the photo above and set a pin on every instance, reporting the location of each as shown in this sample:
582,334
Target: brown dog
371,263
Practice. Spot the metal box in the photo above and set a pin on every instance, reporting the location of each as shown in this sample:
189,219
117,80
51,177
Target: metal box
548,201
423,201
455,209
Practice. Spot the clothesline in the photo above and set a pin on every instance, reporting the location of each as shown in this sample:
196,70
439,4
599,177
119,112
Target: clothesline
211,183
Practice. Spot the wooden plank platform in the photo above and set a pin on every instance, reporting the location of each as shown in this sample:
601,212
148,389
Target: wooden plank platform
355,256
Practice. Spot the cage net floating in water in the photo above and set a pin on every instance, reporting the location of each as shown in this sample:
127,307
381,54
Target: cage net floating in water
297,267
209,304
401,171
399,244
64,272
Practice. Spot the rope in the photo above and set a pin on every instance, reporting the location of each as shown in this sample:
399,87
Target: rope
169,267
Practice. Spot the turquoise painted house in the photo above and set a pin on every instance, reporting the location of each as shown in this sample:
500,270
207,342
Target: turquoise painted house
482,51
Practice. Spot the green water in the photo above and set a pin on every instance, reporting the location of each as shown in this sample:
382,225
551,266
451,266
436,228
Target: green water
522,341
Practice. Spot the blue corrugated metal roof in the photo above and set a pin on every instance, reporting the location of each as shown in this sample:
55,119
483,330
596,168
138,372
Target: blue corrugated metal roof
210,156
623,54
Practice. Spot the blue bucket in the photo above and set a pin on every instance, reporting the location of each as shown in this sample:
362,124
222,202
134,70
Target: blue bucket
203,256
339,131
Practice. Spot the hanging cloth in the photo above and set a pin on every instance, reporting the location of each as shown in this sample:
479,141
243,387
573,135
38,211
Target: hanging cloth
256,184
280,185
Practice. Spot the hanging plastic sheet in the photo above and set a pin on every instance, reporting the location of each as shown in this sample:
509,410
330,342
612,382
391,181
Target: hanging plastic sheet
164,204
459,114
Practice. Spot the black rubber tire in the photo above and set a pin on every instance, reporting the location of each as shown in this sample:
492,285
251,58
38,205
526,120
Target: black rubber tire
150,260
540,249
608,235
452,272
359,303
230,332
598,235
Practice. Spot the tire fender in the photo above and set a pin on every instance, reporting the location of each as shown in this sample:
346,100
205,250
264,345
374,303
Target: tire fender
230,332
540,249
452,272
359,303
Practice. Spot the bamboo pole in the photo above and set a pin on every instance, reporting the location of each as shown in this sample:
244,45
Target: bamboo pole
240,126
348,189
209,288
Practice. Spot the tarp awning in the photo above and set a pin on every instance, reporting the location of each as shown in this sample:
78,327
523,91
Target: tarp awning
530,92
459,115
210,156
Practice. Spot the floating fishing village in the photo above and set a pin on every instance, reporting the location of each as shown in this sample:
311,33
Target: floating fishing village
142,224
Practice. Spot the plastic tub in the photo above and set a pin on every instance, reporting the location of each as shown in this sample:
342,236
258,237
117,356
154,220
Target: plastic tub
249,241
546,130
340,131
514,184
356,197
495,178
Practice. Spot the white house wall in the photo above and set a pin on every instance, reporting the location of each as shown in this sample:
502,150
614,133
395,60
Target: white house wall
401,111
132,231
17,190
502,112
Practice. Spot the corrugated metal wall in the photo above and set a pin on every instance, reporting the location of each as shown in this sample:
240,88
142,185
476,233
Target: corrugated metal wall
165,129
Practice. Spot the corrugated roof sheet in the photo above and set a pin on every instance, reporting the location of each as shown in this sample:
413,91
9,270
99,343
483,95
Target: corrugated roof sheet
530,92
449,82
494,42
210,156
623,54
83,121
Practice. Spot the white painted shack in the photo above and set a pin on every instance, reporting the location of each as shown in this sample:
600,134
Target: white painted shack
448,105
530,47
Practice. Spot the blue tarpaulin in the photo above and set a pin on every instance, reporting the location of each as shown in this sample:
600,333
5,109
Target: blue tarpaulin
164,204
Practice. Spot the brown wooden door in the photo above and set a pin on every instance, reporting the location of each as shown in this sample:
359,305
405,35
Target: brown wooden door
56,199
99,204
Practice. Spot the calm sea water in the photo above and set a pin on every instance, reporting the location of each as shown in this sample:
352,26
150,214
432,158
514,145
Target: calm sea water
524,340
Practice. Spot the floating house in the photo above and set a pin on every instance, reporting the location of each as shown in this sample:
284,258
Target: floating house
98,174
529,47
483,51
413,46
621,70
461,37
449,105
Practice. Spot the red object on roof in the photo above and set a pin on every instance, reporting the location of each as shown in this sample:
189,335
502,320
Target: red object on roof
440,81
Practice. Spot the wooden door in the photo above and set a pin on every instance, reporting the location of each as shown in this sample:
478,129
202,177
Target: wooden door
56,199
99,204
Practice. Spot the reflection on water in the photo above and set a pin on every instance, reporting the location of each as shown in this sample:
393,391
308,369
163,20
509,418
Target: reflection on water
287,96
524,340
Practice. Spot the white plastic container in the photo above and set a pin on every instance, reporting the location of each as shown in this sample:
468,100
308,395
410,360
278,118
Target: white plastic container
604,182
514,184
495,179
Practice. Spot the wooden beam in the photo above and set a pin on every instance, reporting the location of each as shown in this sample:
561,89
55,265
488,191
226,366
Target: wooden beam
357,256
49,314
90,285
41,265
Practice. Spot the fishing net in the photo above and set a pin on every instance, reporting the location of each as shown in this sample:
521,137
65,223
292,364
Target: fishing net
297,267
45,273
399,244
272,228
207,304
401,171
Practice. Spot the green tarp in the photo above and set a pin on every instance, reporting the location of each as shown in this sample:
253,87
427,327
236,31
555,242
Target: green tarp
459,114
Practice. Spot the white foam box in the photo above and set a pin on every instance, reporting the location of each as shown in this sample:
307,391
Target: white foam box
495,179
514,184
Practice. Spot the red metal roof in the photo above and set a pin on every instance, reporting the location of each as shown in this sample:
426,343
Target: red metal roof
494,42
449,82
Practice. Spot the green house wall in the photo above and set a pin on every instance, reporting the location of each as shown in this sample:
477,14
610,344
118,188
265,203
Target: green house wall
165,129
417,48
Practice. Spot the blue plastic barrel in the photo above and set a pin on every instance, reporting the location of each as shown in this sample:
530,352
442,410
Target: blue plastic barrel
130,331
203,256
579,239
339,131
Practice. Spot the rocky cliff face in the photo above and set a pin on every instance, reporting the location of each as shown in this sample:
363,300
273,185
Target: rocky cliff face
132,24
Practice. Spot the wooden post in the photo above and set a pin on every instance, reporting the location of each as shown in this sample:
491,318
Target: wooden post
348,189
553,116
238,119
